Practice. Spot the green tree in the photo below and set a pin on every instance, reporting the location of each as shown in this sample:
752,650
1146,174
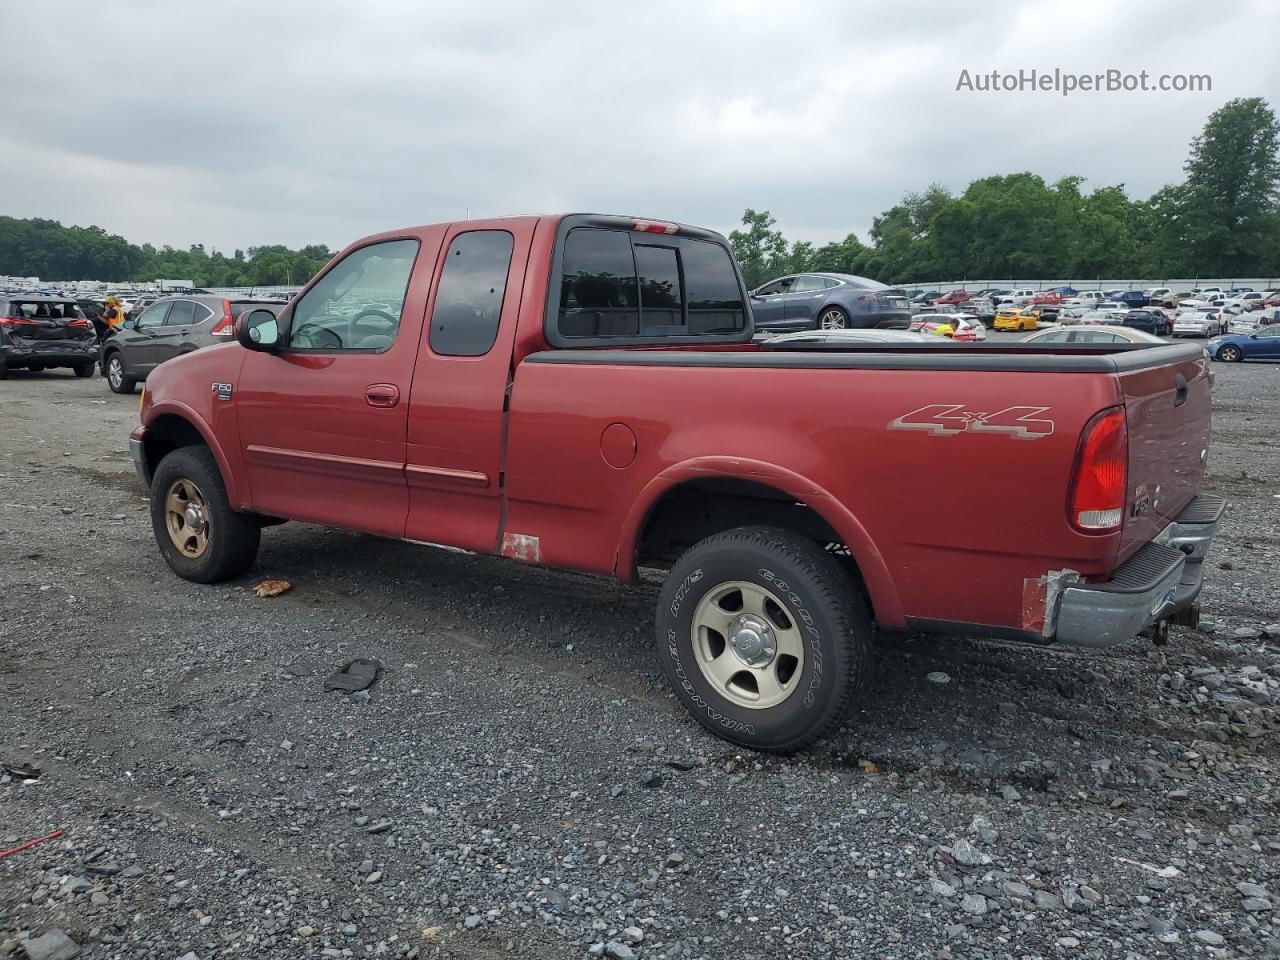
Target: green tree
761,250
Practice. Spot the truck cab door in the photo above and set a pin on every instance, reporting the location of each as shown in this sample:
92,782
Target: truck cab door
322,421
458,402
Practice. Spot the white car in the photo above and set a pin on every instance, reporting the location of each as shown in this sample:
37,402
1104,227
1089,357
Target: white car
1244,324
1207,293
1246,301
1157,294
1199,324
965,327
1195,305
1093,335
1107,315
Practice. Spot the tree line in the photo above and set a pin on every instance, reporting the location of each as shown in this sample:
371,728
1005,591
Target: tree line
51,251
1223,220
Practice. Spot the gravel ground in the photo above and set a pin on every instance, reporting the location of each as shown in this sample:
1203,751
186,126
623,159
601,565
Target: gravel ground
519,782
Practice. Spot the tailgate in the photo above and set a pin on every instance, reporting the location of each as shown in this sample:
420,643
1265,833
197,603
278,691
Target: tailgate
1168,410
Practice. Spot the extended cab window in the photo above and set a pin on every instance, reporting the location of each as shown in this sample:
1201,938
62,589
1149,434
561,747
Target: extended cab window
464,320
615,284
357,304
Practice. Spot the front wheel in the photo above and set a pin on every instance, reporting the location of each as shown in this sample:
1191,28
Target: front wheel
764,637
833,318
202,538
1230,354
117,379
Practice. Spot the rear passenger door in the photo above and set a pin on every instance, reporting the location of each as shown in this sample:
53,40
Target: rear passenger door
458,401
802,304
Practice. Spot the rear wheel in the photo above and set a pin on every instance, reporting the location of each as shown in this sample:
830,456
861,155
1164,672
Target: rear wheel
764,637
833,318
117,379
201,537
1230,353
84,370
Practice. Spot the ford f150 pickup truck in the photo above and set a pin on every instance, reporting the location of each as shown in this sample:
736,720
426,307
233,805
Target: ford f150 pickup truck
583,392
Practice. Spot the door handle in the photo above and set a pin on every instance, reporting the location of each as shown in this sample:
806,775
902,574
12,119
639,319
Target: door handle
382,394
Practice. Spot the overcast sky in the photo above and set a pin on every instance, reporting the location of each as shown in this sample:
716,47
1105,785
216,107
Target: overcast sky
236,124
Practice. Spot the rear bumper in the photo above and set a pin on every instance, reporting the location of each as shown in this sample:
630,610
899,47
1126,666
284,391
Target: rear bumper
51,353
882,319
1160,581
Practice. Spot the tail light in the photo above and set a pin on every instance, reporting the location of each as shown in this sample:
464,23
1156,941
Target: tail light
1100,479
226,326
80,323
10,323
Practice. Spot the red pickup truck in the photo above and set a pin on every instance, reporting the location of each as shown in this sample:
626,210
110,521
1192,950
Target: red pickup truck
583,392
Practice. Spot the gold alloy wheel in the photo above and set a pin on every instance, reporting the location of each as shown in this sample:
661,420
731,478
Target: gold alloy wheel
186,517
746,645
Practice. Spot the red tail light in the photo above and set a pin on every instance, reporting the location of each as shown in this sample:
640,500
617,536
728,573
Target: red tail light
11,322
79,323
1101,474
226,326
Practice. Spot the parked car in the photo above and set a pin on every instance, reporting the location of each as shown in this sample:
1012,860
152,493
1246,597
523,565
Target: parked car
167,329
1158,295
1048,298
982,308
1132,299
961,327
855,336
1098,334
828,301
40,331
1262,344
1246,324
1104,316
780,486
1246,300
1022,297
1150,321
1026,318
1199,324
1195,305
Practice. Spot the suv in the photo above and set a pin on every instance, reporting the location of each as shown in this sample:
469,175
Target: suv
167,329
40,331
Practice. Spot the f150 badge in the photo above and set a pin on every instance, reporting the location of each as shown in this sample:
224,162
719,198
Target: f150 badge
222,391
950,419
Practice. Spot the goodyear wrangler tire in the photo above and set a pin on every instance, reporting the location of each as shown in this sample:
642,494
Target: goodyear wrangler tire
764,637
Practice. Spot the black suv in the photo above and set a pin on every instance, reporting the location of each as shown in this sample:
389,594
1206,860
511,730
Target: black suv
39,331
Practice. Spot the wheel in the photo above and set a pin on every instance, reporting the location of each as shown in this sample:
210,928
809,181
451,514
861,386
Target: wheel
36,367
201,537
84,370
833,318
1230,353
116,377
764,637
4,371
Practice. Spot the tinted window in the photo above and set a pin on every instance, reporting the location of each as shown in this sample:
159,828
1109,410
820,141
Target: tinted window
464,321
357,304
661,292
181,314
681,285
153,316
808,285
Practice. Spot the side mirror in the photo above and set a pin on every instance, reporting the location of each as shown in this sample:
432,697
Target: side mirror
259,330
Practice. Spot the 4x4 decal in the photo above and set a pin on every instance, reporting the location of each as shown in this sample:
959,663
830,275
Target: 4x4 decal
950,419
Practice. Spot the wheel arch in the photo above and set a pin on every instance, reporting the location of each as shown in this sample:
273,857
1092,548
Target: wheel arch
178,426
711,494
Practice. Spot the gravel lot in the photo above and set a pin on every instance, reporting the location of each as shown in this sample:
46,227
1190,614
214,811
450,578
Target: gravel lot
519,782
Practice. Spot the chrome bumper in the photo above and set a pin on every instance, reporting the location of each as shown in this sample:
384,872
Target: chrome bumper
1160,581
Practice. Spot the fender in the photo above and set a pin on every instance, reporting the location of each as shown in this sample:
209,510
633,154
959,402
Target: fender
880,585
231,478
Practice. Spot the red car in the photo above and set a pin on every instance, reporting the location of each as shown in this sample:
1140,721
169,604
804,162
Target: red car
1047,298
953,298
583,392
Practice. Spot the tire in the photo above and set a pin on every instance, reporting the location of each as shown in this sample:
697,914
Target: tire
833,318
84,370
230,540
808,603
4,371
117,379
1230,353
36,367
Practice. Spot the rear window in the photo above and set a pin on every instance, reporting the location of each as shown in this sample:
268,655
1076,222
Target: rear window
617,284
43,310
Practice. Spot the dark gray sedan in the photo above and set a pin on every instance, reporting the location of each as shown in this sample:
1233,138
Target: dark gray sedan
828,301
167,329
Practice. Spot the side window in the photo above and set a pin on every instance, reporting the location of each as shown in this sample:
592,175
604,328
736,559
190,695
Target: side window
153,316
1269,331
1058,336
784,285
598,291
808,285
711,289
181,314
202,313
464,321
357,304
